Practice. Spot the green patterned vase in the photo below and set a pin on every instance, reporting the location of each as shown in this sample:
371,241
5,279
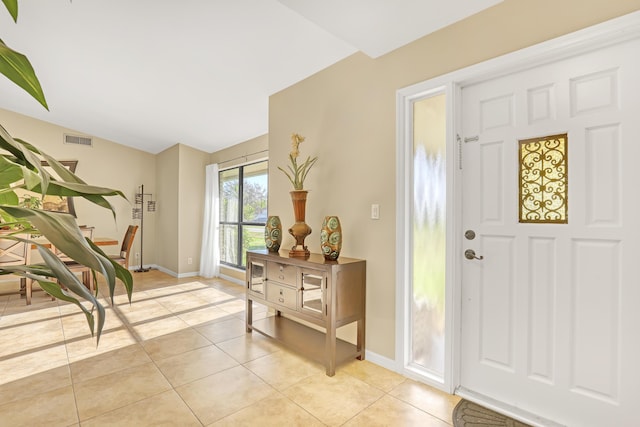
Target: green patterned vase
331,238
273,234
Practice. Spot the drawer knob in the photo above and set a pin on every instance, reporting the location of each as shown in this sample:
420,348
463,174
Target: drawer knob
281,299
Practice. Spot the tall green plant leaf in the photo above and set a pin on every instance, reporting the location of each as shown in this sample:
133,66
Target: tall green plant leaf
121,273
25,156
12,7
62,231
75,189
38,179
17,68
9,172
69,280
63,172
54,268
23,168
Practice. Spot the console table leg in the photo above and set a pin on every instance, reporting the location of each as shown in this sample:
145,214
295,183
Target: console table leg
360,339
330,350
249,315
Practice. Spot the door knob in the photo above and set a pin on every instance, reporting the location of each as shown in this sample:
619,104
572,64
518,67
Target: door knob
471,254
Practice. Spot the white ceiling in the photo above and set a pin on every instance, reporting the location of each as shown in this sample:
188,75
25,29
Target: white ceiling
153,73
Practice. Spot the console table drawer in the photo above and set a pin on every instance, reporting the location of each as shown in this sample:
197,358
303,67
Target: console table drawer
281,273
282,295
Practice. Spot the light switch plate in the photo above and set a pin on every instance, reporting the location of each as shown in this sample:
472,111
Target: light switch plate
375,211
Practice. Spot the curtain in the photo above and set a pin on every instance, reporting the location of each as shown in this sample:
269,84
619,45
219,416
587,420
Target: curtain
210,252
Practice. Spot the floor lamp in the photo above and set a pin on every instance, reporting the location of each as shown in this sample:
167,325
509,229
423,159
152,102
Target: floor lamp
138,213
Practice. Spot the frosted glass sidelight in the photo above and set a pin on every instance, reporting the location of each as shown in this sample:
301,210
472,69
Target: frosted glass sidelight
429,235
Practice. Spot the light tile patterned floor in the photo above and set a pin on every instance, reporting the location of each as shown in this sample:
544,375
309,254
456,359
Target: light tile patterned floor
179,356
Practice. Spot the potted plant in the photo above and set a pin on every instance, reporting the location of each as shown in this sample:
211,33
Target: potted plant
21,167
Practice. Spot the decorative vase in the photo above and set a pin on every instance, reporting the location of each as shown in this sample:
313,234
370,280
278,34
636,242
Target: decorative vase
300,230
273,233
331,238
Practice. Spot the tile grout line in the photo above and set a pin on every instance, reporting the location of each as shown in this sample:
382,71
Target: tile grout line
66,350
169,382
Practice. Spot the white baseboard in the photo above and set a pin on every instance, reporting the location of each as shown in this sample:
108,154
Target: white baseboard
164,270
231,279
191,274
171,272
133,268
379,360
396,367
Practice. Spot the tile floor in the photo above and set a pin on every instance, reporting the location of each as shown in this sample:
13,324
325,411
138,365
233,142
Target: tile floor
179,356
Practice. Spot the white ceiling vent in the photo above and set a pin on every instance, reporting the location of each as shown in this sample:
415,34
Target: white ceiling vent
78,140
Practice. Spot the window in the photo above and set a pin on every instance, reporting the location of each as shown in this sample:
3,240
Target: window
243,211
429,235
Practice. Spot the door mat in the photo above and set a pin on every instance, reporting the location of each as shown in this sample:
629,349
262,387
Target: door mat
468,414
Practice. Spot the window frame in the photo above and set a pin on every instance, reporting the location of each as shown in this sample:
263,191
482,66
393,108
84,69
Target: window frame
240,223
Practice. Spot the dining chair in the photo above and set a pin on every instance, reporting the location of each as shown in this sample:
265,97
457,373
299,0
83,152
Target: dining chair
125,249
13,253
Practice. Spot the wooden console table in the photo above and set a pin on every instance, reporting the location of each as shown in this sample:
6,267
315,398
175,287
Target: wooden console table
329,294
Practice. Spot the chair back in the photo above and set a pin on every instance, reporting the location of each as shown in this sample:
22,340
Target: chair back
127,243
13,252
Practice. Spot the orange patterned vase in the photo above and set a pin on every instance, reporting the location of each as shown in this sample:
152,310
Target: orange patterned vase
300,230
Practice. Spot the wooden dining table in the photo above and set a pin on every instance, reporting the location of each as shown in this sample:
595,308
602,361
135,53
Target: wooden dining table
99,241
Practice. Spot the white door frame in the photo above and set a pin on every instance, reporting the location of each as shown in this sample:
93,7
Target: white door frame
614,31
404,225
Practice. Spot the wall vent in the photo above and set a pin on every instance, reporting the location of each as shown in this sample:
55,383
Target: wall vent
78,140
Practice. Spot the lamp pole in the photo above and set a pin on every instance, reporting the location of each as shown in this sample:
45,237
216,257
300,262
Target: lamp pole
141,269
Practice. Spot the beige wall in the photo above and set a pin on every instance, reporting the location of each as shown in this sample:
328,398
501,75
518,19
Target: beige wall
167,216
105,164
347,112
180,180
191,191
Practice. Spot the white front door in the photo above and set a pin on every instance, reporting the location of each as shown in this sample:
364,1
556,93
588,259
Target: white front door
550,314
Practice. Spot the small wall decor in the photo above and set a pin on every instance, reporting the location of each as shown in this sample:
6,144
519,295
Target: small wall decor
273,233
59,203
543,180
331,238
